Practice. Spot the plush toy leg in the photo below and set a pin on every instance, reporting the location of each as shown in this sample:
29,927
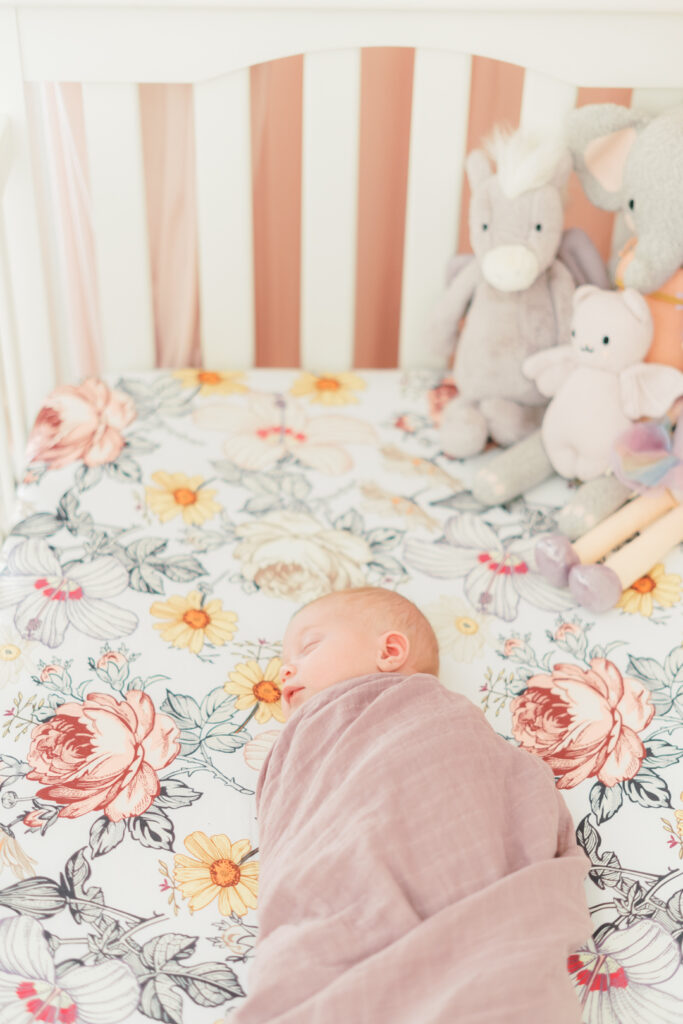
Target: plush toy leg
464,430
598,587
592,503
556,557
510,422
512,472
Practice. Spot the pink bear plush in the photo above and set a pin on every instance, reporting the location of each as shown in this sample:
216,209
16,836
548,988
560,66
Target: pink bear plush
599,383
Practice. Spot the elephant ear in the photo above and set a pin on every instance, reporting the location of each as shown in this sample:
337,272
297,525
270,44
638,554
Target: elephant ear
648,389
600,137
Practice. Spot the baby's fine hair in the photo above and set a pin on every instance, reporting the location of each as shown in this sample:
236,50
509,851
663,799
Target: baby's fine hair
388,610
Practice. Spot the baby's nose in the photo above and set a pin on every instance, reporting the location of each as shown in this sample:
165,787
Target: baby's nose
285,672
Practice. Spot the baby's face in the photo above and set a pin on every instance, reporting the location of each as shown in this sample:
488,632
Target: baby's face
323,645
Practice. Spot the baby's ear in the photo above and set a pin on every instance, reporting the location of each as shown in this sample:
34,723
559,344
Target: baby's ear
393,651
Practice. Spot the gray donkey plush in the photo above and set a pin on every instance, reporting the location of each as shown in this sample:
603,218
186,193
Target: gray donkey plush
515,291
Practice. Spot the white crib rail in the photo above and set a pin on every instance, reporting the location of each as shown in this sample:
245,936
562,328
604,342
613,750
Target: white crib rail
117,187
329,189
224,211
12,407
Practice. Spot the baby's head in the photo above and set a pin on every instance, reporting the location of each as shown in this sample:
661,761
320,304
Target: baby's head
353,633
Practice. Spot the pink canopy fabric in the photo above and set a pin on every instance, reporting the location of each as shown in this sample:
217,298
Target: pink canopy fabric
414,866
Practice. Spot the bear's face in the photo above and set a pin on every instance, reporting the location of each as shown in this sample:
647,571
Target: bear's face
610,329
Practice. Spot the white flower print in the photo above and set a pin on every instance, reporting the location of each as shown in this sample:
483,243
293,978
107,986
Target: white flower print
292,555
51,596
17,654
269,427
497,571
31,988
461,632
618,978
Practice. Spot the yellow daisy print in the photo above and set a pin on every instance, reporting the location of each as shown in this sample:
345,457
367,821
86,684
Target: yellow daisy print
178,494
211,382
252,685
190,623
656,586
462,632
330,389
217,871
16,654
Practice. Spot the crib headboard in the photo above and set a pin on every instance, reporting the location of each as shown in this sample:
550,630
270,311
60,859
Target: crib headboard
112,45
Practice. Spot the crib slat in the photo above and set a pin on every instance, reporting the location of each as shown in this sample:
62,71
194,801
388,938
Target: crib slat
11,390
546,102
5,152
26,327
225,220
438,134
112,126
6,476
331,98
12,413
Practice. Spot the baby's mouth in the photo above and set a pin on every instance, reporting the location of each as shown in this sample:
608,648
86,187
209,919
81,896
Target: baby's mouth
289,691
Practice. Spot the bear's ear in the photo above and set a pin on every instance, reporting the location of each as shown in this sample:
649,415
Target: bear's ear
584,292
636,304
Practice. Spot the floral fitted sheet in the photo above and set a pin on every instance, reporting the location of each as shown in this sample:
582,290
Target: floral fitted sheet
167,527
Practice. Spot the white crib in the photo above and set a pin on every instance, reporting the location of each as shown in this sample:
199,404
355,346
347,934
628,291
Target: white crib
111,45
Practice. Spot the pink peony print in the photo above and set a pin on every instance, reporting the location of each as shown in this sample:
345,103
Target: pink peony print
439,397
103,755
81,424
584,723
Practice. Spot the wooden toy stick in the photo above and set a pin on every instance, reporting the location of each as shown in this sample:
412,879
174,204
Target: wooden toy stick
624,523
636,558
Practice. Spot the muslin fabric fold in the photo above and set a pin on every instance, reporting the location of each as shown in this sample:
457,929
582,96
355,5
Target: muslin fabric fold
415,867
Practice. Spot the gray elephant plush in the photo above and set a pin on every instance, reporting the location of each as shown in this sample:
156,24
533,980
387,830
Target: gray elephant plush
515,292
632,161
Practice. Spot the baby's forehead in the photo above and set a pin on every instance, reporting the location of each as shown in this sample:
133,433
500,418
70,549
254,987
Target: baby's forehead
322,613
309,617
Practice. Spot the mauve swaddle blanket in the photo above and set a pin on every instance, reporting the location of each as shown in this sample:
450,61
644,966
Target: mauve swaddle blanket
415,868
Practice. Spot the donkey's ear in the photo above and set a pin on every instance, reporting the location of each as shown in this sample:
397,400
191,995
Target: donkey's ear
564,169
478,168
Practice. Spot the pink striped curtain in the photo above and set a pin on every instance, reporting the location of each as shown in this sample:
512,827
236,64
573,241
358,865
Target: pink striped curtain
276,92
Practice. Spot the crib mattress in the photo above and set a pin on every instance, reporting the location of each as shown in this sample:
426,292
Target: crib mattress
167,527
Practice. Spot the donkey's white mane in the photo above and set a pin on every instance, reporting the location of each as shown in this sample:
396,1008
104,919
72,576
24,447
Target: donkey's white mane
525,160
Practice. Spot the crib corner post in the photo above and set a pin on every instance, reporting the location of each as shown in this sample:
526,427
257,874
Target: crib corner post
27,339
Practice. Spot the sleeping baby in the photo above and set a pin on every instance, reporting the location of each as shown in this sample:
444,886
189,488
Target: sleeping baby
414,865
353,633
